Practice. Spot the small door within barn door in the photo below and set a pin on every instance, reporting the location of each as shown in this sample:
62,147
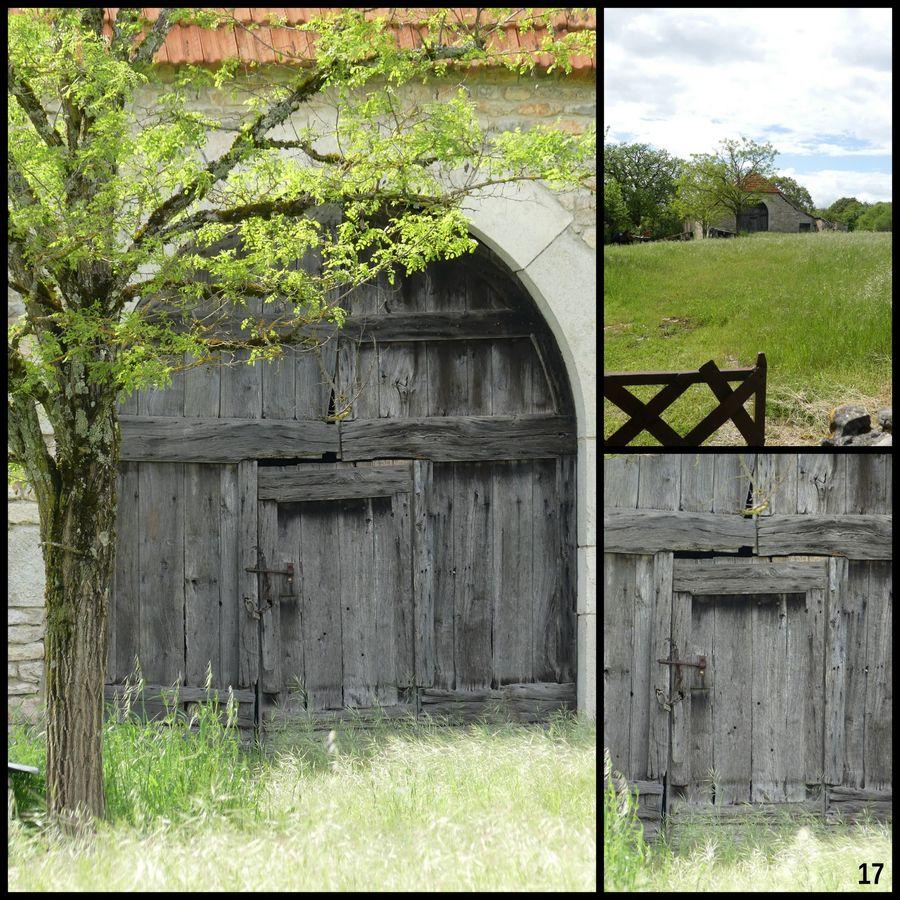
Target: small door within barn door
748,696
335,586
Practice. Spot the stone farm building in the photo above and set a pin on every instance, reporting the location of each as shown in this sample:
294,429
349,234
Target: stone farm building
773,212
522,516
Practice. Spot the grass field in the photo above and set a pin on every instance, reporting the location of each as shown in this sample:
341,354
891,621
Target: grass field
792,856
818,306
406,808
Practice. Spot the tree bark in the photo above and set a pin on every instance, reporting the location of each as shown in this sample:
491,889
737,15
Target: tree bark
79,542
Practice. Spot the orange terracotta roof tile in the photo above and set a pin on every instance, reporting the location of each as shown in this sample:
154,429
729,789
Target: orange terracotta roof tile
190,44
754,182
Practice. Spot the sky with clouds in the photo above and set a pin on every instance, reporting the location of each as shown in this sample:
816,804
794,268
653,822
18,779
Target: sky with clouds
815,83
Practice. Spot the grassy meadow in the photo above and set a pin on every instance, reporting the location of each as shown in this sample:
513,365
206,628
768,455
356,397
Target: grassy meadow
818,305
404,807
795,855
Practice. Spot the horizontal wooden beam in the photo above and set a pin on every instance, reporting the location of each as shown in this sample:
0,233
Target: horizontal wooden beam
853,536
656,530
181,439
459,438
185,694
298,484
711,576
520,702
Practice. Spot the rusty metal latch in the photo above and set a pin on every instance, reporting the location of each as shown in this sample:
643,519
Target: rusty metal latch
700,665
257,611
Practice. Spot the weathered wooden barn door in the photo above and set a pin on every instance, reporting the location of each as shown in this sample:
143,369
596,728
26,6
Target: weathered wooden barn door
389,521
747,711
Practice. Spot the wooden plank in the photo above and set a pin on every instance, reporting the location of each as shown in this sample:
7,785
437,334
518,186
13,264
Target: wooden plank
185,694
814,719
320,606
201,391
620,480
386,600
651,531
232,609
448,379
510,390
315,377
512,539
202,492
699,788
661,630
356,550
710,576
403,381
796,699
223,440
855,611
734,473
853,805
441,532
680,764
163,401
567,494
162,572
879,668
128,566
659,485
856,537
290,635
473,561
241,386
731,704
618,587
248,584
404,610
443,325
298,483
523,703
866,483
697,482
278,386
270,587
423,574
642,667
822,483
458,438
767,655
776,483
836,657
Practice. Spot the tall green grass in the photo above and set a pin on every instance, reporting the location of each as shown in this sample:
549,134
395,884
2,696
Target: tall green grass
624,853
395,807
818,305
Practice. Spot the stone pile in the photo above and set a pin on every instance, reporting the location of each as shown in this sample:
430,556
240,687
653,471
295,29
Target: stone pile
851,425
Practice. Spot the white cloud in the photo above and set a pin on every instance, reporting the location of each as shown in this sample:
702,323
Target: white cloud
684,79
826,185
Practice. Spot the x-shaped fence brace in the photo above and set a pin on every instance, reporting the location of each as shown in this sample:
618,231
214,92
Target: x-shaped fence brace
645,416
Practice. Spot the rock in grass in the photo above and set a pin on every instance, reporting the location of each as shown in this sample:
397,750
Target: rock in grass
885,418
849,420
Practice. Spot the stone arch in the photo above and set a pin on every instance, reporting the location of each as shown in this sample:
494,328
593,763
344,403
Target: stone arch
531,232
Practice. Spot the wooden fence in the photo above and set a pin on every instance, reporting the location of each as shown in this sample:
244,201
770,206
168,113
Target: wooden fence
646,416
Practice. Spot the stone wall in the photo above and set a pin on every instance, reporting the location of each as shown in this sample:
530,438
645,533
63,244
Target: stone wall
782,216
503,101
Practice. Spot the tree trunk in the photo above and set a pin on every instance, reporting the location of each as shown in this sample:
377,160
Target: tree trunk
79,552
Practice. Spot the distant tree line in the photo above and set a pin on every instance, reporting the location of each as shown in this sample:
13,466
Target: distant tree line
649,192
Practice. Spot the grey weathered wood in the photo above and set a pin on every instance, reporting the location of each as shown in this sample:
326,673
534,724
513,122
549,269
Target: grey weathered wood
241,386
384,629
441,326
400,545
620,480
618,615
651,531
680,764
127,595
232,608
473,562
271,585
185,694
731,706
298,483
700,700
403,381
866,484
814,720
855,610
767,655
440,532
423,574
659,484
547,612
836,658
641,667
775,482
202,492
856,537
315,377
320,606
710,576
567,493
879,663
162,572
459,438
527,702
279,387
154,438
248,584
202,390
697,482
795,697
291,610
661,629
512,575
822,483
845,804
734,473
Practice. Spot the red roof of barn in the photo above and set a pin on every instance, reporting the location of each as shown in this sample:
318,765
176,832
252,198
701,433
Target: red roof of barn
754,182
273,43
